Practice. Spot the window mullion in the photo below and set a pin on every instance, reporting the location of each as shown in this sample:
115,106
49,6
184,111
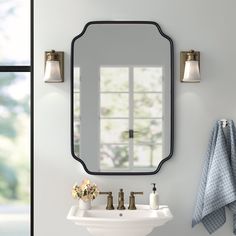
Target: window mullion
15,68
131,116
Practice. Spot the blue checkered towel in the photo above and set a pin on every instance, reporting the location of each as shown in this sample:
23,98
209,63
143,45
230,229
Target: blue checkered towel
218,180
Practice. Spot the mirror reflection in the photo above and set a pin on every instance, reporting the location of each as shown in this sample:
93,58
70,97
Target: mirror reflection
121,87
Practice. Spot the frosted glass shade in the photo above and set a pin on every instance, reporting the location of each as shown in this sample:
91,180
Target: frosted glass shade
52,72
191,72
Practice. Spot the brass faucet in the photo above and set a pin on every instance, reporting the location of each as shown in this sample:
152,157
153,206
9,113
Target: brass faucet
121,200
132,200
109,200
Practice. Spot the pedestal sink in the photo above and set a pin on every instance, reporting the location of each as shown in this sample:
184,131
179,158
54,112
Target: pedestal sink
101,222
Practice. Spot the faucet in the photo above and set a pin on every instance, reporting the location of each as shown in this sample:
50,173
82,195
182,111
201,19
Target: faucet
121,200
109,200
132,200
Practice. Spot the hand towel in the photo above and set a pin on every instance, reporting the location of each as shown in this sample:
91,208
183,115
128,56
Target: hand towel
218,181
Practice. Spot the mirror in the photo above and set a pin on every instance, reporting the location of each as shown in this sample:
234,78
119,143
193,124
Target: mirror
122,97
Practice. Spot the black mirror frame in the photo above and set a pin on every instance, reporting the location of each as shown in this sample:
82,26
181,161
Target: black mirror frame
171,100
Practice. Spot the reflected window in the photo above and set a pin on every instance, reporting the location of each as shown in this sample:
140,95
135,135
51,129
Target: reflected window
130,117
77,117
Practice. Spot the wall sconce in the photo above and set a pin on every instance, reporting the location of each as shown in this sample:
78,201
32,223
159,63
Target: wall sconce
54,67
190,66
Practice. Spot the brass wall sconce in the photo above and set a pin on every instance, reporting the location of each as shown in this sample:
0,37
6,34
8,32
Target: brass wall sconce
54,67
190,66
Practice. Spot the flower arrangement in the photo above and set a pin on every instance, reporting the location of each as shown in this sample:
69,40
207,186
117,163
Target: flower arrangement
86,191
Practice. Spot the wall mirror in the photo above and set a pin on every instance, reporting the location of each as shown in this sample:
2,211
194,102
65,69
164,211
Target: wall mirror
122,97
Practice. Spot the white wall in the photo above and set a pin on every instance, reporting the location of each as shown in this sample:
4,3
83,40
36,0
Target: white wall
208,26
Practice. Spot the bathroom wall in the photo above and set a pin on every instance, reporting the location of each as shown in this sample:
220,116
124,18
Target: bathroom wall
208,26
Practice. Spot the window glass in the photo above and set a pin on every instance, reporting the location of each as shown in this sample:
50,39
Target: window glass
148,155
147,79
114,156
148,105
76,80
14,32
114,105
114,79
148,130
14,153
114,130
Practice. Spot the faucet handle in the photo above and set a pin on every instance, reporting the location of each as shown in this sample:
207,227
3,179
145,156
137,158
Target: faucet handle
132,200
109,200
109,193
133,193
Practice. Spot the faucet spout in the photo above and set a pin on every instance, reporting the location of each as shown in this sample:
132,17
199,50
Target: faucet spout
121,200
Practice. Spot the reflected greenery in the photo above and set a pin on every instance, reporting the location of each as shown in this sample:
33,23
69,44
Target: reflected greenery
114,156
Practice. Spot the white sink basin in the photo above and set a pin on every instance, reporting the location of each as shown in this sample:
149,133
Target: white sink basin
101,222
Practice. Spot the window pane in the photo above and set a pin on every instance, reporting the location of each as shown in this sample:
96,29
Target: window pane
147,105
114,131
76,106
14,153
15,32
147,130
113,156
77,137
76,79
147,155
147,79
76,123
114,79
114,105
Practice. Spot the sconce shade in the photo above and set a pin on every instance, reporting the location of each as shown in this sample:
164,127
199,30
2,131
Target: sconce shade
191,72
52,72
54,67
190,66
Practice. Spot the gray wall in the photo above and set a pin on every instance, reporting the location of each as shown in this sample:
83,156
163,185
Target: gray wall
208,26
